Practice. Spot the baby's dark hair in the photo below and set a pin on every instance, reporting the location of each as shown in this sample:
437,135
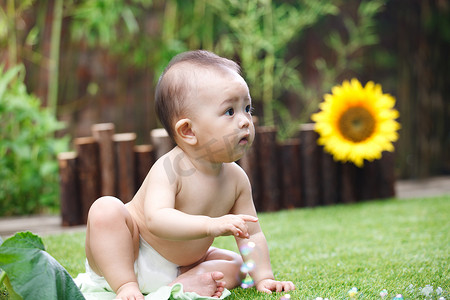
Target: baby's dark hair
174,87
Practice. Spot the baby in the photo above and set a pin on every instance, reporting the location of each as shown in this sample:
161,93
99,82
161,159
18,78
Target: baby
191,195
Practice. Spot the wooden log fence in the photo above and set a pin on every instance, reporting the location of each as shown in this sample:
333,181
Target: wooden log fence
294,173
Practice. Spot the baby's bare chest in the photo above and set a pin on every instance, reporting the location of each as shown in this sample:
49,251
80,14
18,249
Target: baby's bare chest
206,197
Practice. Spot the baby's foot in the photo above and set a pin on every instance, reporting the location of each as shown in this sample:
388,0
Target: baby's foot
207,284
129,291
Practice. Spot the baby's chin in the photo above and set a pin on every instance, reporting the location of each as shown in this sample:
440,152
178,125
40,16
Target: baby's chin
239,155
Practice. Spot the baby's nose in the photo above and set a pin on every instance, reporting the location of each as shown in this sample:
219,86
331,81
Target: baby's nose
244,122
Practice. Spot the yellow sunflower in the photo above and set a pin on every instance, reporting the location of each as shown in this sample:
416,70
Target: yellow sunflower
356,122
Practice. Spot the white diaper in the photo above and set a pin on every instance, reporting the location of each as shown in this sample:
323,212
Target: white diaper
152,271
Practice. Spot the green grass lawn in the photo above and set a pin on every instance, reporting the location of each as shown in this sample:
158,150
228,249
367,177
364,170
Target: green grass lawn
398,245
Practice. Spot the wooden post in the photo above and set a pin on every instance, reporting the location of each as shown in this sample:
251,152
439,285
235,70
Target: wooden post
310,154
103,133
88,172
349,183
144,157
269,168
70,200
250,163
330,184
387,175
161,142
369,180
290,168
125,165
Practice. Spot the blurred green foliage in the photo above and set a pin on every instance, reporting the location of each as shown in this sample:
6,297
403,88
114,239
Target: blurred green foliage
259,33
256,33
28,165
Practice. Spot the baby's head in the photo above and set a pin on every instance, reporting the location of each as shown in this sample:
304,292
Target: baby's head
179,81
205,106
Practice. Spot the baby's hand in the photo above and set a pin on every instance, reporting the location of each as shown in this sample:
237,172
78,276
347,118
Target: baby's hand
230,225
269,285
129,291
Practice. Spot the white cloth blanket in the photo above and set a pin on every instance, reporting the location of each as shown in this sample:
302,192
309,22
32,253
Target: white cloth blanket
175,292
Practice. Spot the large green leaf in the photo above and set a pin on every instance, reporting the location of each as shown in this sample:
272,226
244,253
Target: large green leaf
32,272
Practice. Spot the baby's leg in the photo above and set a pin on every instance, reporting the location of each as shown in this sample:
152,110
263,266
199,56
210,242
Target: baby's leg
112,246
216,260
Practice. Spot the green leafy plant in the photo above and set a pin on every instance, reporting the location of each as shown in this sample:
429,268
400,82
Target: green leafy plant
345,48
29,272
117,26
361,34
98,21
259,32
28,147
127,29
19,42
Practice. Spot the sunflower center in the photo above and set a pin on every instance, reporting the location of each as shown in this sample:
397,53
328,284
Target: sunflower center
356,124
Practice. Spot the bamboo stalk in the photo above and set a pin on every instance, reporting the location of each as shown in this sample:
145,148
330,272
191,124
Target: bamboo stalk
12,36
54,56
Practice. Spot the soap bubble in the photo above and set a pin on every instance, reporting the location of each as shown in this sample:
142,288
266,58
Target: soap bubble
247,282
285,297
248,266
352,293
398,297
383,293
427,290
247,248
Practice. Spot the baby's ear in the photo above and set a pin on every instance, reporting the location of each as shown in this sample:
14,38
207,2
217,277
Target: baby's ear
183,130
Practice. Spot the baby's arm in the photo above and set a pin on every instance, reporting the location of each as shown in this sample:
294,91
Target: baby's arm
262,272
172,224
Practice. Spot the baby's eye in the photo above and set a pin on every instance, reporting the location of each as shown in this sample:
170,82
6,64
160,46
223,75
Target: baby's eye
229,112
249,109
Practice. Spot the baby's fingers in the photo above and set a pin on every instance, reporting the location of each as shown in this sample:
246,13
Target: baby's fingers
242,226
284,286
237,232
248,218
289,286
241,232
273,285
263,288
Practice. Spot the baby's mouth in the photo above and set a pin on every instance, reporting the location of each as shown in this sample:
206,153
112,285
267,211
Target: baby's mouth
244,140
